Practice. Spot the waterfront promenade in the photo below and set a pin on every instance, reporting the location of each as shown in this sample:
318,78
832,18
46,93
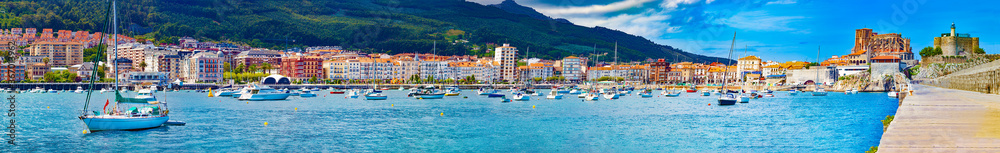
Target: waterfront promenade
944,120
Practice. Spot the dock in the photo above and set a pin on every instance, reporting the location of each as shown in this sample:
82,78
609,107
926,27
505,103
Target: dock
936,119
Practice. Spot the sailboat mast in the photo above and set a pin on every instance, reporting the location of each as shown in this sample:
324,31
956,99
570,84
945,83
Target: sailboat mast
93,77
114,27
614,67
744,79
725,74
817,62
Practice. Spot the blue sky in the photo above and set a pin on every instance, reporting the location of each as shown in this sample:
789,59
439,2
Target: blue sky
779,30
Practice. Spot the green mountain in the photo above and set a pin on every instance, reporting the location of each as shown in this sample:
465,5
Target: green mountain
392,26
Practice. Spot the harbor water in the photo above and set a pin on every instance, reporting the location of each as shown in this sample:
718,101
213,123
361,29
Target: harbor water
47,122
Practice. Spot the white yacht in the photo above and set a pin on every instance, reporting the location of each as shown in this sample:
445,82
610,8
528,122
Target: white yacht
145,94
78,89
259,92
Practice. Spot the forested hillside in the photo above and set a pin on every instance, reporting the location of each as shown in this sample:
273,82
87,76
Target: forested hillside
391,26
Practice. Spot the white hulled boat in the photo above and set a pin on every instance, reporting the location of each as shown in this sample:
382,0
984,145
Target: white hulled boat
261,92
79,89
554,94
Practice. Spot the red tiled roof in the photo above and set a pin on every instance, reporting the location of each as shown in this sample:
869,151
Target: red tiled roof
886,58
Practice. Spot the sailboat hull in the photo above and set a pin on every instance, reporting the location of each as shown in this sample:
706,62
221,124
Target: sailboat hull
727,101
429,96
265,96
376,97
100,123
610,96
646,95
493,95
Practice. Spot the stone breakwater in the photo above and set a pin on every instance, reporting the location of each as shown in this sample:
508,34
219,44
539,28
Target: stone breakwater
866,83
984,78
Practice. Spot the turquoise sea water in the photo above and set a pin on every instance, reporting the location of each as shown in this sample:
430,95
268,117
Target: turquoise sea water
331,123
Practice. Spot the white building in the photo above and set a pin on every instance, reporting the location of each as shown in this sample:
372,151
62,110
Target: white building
507,57
572,68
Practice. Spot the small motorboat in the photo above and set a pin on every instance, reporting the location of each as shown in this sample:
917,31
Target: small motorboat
337,91
307,93
521,96
611,95
353,93
743,98
671,93
592,97
574,91
452,91
893,94
78,89
554,94
819,92
646,94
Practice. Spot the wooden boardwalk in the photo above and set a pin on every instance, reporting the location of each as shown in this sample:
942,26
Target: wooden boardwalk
944,120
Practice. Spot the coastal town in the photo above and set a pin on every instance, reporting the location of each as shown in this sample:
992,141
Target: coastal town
874,55
499,76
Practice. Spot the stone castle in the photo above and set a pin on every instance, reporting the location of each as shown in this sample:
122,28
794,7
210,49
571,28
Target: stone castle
953,44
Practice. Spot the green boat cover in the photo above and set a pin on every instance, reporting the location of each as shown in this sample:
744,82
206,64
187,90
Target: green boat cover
120,99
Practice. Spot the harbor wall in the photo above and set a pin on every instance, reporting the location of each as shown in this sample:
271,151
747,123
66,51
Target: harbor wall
983,78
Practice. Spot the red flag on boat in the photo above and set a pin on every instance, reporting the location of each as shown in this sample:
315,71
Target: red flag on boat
106,102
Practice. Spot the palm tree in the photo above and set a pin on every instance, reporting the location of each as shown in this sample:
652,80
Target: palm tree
45,60
142,65
266,67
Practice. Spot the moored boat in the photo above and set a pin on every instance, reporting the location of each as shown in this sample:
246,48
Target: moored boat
554,95
261,92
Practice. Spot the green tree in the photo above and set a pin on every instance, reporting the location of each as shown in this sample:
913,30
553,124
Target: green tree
45,60
927,52
100,72
980,51
312,80
142,65
266,67
226,67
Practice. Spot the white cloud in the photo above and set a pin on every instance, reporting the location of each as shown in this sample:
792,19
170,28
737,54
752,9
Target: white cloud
592,9
649,24
761,21
781,2
673,4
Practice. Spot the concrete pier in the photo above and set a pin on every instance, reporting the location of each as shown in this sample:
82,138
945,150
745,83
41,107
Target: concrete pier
944,120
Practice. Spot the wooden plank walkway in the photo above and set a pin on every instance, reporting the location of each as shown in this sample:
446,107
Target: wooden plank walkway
944,120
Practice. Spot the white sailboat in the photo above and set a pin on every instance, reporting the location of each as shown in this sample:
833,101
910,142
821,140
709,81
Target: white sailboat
144,115
819,90
727,98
